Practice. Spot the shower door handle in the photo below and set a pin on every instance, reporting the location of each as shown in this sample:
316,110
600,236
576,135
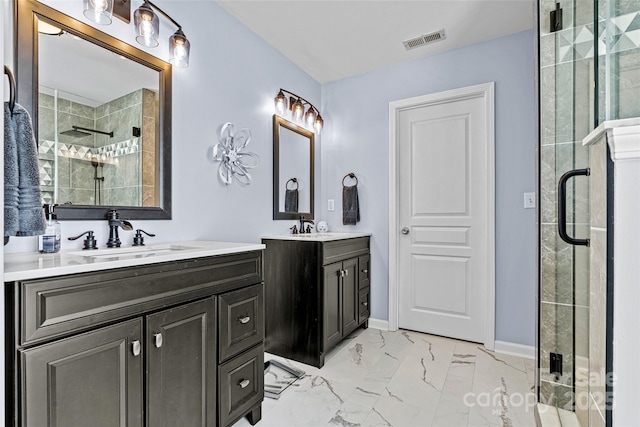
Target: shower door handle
562,207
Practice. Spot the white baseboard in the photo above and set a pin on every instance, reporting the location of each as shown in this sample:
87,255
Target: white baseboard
513,349
504,347
379,324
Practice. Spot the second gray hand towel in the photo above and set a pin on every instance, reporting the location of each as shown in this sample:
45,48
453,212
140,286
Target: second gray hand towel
350,205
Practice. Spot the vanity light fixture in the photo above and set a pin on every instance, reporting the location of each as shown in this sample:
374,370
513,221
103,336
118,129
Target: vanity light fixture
148,31
296,105
147,25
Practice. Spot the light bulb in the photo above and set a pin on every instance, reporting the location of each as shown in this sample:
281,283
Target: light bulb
310,117
98,11
100,6
297,110
146,28
179,52
281,103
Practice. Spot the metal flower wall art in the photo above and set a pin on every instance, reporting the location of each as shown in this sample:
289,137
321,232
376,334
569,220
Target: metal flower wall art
234,161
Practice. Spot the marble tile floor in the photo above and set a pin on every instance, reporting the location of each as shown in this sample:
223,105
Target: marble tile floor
406,379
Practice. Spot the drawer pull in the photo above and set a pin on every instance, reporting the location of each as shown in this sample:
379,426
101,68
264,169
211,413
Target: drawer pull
244,383
135,348
244,320
157,340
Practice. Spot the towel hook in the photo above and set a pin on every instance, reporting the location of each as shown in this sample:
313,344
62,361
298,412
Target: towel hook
12,88
350,175
294,180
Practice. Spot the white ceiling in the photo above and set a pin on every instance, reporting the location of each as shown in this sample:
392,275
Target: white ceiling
335,39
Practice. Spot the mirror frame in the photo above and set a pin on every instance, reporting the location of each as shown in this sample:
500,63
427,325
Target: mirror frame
27,13
277,122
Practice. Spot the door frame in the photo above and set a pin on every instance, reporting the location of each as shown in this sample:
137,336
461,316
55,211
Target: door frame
485,91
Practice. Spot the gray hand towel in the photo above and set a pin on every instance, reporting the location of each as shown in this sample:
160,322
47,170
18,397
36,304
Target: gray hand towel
350,205
23,213
291,200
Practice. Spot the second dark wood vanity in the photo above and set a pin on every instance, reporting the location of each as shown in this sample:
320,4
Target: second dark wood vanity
316,293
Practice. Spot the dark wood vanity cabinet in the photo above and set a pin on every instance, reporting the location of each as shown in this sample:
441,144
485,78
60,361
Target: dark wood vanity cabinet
162,345
316,293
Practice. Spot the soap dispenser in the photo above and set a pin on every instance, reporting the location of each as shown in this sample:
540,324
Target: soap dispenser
49,242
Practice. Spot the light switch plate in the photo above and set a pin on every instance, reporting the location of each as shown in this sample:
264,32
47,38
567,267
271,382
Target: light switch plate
330,205
529,200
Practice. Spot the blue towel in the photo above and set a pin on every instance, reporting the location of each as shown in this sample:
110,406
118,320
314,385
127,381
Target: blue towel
23,213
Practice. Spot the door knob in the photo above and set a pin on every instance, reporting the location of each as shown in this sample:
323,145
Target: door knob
405,230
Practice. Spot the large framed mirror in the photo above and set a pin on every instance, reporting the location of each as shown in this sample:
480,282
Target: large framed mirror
101,111
293,163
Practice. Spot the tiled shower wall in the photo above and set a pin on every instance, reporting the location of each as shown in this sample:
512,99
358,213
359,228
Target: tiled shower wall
619,69
123,181
568,113
121,157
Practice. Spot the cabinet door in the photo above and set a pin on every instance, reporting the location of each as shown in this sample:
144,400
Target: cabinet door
332,312
181,366
90,379
349,296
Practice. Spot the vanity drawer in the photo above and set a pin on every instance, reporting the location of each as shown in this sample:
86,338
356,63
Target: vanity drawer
62,305
241,385
340,250
363,271
241,320
364,301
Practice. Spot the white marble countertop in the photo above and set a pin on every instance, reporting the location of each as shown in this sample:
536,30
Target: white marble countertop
33,265
317,237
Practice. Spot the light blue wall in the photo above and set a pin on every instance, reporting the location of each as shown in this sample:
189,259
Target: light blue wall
233,75
356,139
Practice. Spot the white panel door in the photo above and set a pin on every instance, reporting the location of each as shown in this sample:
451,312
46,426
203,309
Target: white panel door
442,177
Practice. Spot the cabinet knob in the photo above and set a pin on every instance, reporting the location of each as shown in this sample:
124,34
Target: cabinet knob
157,340
244,383
365,271
405,230
365,303
135,348
346,272
244,320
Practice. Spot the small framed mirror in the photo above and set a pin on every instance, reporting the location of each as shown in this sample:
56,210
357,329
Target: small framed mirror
101,111
293,170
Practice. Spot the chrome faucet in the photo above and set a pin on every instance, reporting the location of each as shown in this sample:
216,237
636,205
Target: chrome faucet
302,222
114,222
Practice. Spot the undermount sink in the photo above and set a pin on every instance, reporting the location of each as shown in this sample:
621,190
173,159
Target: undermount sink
134,251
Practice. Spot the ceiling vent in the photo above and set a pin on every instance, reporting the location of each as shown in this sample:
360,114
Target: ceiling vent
424,39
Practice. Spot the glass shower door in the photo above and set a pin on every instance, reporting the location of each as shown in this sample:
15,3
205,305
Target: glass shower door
566,116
